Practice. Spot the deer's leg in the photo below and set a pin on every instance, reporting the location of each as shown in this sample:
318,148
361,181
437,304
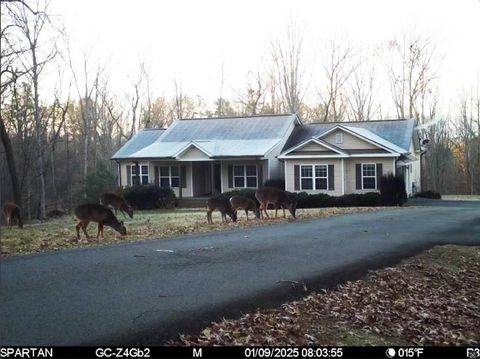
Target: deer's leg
246,212
84,228
283,211
265,206
79,224
209,217
100,231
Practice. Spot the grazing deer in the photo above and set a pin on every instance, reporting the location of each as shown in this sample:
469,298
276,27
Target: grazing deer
245,203
222,205
277,197
87,213
116,202
12,214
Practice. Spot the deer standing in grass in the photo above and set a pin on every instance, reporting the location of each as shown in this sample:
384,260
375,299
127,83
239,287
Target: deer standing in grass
12,214
223,206
116,202
278,198
87,213
247,204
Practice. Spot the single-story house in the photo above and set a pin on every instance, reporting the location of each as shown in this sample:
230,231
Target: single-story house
201,157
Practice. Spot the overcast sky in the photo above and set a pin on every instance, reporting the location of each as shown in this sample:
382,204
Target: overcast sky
189,40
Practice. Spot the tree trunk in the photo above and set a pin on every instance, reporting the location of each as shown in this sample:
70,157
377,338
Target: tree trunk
9,154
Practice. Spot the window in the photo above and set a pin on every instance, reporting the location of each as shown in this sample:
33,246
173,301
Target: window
339,138
245,176
169,176
132,169
314,180
369,176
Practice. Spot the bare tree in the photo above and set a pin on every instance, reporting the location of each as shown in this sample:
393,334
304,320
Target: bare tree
338,66
252,99
362,95
288,68
412,68
32,27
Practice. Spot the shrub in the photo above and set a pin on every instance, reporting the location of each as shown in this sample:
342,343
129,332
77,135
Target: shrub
149,197
428,194
103,179
319,200
392,189
273,182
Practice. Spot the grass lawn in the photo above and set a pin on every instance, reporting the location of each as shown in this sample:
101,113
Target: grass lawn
60,233
430,299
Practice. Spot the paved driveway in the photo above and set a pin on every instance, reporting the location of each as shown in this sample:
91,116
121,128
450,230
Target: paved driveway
144,293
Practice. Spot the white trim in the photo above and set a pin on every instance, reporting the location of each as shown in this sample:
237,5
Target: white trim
140,164
314,177
318,142
286,180
244,175
343,176
375,167
393,154
191,177
394,169
311,156
187,147
340,127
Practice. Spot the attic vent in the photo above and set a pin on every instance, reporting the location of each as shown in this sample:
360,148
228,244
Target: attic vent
339,138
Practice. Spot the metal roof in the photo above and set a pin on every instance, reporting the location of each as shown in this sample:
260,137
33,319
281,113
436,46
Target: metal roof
219,137
140,140
397,132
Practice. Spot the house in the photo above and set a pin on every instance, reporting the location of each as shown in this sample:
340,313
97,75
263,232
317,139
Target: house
200,157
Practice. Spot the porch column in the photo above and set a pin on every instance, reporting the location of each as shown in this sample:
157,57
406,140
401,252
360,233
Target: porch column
343,176
260,174
212,182
119,168
180,182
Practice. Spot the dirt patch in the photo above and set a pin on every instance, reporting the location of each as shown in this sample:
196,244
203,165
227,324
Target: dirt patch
431,299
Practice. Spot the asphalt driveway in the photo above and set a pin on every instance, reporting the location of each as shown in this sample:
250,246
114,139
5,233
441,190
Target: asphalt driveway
143,293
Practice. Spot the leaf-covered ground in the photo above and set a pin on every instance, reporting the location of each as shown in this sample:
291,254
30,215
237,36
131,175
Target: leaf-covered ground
431,299
57,234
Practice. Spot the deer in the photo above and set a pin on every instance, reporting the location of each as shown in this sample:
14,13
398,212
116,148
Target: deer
12,214
246,204
92,212
222,205
116,202
278,198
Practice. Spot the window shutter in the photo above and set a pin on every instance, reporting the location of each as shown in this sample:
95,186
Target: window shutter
183,175
358,175
157,176
129,175
379,174
230,176
331,178
296,171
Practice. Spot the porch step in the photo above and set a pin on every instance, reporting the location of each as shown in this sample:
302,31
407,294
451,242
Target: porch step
193,202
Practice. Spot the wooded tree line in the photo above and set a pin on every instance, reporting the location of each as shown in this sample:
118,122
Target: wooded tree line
56,145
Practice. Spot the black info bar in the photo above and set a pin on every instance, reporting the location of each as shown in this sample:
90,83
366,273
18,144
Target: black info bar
240,352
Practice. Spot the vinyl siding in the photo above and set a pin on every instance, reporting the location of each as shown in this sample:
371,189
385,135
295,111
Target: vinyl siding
186,192
225,164
194,154
350,175
349,141
290,175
